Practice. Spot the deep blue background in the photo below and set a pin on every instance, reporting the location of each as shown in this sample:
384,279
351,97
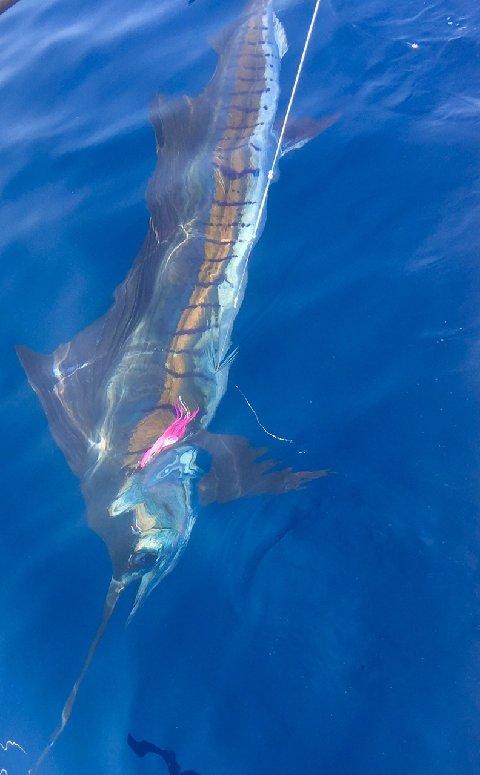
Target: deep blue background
334,630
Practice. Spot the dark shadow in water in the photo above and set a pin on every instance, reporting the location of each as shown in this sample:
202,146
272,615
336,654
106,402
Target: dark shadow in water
142,747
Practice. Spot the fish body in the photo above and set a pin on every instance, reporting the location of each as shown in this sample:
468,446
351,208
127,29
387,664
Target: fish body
198,286
181,341
112,392
130,398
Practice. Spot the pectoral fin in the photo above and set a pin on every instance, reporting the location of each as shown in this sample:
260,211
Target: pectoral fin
298,132
239,470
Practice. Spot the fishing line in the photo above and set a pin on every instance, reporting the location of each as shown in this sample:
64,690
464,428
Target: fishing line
287,112
12,744
278,149
270,175
260,424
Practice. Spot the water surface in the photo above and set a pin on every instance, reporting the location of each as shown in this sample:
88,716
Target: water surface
334,630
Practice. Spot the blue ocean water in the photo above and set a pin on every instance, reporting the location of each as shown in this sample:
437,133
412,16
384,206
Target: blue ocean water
334,630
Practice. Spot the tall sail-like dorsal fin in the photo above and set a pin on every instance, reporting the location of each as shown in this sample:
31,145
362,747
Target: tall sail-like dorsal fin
221,40
280,36
66,422
73,381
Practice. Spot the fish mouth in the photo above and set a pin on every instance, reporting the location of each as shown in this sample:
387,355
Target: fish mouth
154,557
143,560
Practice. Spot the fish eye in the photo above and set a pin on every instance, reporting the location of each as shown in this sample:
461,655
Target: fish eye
143,559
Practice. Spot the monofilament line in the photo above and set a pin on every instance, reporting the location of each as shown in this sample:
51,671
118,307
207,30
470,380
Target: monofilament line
260,423
287,113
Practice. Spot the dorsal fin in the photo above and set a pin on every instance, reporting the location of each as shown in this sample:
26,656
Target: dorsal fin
67,423
72,382
220,41
181,129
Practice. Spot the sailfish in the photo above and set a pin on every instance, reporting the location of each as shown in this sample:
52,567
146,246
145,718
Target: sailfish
130,398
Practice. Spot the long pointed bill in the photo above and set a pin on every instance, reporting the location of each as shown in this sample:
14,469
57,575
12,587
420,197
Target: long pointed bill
114,591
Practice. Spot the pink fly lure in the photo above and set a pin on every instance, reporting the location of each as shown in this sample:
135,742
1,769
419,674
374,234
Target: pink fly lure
175,431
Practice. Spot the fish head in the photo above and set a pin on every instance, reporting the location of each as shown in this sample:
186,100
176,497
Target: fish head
158,500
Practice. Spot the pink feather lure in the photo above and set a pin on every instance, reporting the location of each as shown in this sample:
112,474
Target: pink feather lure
172,434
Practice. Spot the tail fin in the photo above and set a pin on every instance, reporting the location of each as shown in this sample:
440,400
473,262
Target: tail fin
114,591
